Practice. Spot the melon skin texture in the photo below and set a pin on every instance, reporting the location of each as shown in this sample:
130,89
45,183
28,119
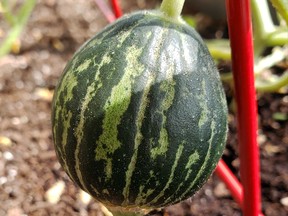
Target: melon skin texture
139,116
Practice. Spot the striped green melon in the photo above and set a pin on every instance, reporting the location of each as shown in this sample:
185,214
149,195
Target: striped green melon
139,115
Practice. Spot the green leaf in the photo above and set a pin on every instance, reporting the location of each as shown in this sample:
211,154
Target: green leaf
190,20
219,48
278,116
282,8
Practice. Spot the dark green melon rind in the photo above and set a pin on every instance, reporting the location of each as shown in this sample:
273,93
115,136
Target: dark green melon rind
131,180
61,101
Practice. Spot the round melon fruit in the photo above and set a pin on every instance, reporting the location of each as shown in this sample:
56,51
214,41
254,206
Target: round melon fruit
139,115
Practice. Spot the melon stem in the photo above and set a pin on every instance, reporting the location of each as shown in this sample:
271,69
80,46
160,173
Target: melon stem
172,8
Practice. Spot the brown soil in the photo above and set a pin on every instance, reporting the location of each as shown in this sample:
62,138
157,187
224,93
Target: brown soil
28,165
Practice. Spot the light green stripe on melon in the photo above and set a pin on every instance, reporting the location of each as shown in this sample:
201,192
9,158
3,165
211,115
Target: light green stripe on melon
123,36
116,105
138,137
66,92
171,177
189,52
204,165
66,127
220,91
84,65
166,86
148,34
192,160
203,104
156,44
90,94
142,196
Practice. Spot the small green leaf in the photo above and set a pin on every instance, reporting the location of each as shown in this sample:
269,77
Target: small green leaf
282,8
219,48
278,116
190,20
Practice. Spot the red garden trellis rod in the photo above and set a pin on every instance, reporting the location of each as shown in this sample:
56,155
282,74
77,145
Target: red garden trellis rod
116,8
240,34
247,194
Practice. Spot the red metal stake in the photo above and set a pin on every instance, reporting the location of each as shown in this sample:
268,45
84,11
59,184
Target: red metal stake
116,8
240,32
232,183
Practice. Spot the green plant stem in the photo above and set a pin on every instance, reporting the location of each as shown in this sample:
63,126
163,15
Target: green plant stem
282,8
263,25
26,10
265,34
219,54
9,17
10,39
277,38
278,54
172,8
18,26
273,86
275,57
